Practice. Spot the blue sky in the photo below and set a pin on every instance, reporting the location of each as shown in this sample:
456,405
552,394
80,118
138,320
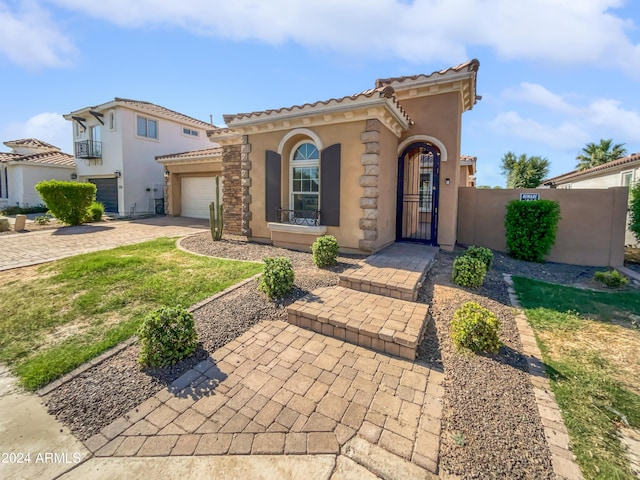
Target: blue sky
553,75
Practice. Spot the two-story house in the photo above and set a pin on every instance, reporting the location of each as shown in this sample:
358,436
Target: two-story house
115,145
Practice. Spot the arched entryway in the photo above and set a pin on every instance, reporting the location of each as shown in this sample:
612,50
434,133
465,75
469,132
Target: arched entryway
417,206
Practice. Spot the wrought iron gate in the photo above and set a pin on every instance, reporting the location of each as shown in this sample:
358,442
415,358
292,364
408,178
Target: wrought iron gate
418,180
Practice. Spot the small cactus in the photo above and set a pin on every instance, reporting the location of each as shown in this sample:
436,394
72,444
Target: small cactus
215,215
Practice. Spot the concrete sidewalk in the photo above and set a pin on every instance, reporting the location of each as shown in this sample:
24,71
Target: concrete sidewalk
24,249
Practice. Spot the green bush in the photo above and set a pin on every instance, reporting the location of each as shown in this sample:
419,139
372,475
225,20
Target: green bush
167,335
278,276
67,201
531,228
325,251
468,271
42,220
634,210
476,328
611,278
95,212
481,253
25,209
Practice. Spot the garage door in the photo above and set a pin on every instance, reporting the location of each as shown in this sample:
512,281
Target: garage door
197,193
107,192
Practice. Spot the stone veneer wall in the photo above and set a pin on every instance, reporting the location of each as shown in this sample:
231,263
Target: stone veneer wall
232,189
370,160
245,182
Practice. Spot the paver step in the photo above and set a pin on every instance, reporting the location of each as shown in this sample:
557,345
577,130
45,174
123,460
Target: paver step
382,463
397,271
369,320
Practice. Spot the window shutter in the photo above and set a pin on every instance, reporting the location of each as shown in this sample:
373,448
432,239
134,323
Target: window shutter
330,186
273,178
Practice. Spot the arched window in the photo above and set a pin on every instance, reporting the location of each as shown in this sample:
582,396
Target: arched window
305,177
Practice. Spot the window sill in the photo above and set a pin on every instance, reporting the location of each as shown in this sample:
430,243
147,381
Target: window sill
297,229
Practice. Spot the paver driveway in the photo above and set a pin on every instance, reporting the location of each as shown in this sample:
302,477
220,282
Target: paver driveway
21,250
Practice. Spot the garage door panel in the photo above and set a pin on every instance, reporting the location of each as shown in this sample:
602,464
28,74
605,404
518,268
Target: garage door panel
196,195
107,192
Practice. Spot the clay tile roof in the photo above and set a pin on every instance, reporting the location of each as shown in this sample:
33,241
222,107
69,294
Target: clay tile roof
634,157
383,91
149,107
30,142
470,66
52,157
468,158
207,152
9,156
157,109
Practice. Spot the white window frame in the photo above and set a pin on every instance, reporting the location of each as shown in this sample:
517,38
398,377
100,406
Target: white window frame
303,163
191,132
623,175
148,119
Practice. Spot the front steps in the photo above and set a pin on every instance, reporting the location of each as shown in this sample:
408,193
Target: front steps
397,271
373,321
374,304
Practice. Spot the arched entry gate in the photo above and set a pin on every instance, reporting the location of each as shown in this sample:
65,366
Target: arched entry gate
417,206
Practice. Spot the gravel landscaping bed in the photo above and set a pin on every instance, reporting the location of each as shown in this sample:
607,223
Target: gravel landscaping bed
491,427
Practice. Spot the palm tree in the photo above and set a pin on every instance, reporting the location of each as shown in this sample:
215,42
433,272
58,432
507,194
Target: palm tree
597,154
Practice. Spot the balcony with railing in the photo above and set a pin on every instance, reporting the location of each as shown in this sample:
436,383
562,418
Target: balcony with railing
88,149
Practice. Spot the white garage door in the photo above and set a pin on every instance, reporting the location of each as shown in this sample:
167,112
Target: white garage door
197,193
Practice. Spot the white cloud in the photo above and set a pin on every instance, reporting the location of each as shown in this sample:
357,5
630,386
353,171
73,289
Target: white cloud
538,95
565,136
49,127
567,125
614,121
30,39
572,32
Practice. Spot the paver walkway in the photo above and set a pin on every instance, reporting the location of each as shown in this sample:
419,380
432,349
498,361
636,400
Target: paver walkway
24,249
281,389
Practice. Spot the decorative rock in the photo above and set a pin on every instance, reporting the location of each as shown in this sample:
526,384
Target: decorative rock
4,224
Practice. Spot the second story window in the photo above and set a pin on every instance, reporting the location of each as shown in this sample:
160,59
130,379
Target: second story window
147,127
189,131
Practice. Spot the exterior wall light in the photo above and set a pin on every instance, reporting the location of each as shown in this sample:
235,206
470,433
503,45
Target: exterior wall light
74,176
166,174
447,181
117,173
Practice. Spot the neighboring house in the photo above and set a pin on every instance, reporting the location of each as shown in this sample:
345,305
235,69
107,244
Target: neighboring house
115,148
29,162
468,171
191,183
371,169
623,172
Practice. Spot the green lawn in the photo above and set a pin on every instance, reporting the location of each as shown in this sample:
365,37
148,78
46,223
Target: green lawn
590,345
76,308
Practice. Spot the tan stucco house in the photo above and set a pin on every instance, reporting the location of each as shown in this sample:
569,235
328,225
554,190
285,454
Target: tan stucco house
372,168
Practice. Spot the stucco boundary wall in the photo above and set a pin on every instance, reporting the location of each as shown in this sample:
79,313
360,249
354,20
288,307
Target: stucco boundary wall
591,230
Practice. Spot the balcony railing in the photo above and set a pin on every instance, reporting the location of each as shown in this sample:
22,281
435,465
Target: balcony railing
88,149
309,218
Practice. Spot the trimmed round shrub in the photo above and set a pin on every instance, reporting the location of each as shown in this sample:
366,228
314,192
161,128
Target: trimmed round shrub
481,253
476,328
167,335
278,276
611,278
67,201
95,212
325,251
468,271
